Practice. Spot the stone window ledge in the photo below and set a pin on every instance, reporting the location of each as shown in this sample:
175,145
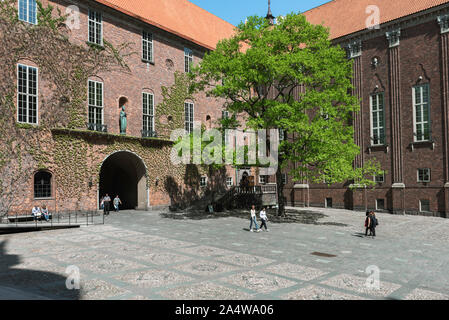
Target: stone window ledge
422,144
380,147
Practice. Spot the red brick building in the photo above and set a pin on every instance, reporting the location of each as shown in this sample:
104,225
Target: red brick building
401,70
82,165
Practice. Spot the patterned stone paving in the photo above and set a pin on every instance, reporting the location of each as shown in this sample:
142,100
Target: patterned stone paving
142,255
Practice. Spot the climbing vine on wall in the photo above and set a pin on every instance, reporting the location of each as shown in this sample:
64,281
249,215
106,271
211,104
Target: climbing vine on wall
64,68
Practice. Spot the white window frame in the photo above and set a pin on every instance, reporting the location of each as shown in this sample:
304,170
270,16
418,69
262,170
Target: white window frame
284,179
428,173
27,94
229,181
188,124
205,181
377,204
95,22
423,105
263,180
149,44
420,205
26,4
383,178
149,114
95,106
377,127
188,56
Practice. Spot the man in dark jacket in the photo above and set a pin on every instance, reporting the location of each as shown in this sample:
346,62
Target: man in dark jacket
367,223
373,223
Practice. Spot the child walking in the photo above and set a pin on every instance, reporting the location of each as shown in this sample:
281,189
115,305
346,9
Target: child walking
264,219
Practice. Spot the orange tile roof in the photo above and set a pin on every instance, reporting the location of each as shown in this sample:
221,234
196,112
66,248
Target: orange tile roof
179,17
344,17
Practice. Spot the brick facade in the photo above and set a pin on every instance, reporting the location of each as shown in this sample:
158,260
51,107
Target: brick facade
420,58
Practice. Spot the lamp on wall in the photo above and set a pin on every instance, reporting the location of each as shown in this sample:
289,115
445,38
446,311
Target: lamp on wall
374,62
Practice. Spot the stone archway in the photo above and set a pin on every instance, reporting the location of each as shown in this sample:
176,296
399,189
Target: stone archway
124,173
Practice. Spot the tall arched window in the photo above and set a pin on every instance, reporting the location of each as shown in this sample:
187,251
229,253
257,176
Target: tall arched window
42,184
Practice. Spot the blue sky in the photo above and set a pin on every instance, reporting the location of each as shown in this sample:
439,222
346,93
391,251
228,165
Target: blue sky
235,11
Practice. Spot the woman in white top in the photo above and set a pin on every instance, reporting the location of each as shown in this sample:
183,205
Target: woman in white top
253,219
264,219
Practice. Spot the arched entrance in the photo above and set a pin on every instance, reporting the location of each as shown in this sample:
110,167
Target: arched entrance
124,174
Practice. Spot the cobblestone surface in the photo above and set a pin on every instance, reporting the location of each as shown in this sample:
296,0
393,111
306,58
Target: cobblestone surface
150,255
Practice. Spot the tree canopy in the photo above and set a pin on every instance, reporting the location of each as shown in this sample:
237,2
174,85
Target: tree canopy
290,76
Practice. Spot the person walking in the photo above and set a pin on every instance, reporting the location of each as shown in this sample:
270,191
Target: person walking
367,223
117,201
264,219
107,203
373,224
253,219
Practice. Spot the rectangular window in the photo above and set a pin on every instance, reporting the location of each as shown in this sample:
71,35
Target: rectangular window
188,111
147,46
282,135
203,181
263,179
95,27
424,175
229,181
377,119
188,59
380,178
421,112
380,204
284,178
27,93
148,114
424,205
95,102
27,11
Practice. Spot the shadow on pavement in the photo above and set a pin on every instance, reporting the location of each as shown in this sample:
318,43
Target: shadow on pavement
291,216
23,284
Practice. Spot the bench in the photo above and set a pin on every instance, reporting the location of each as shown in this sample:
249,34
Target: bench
28,217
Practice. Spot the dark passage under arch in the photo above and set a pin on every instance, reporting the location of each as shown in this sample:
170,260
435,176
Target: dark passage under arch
124,174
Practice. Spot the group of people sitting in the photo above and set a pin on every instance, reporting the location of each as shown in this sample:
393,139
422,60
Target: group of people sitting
40,213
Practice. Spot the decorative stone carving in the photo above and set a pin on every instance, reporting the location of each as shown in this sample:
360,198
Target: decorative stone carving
355,49
443,21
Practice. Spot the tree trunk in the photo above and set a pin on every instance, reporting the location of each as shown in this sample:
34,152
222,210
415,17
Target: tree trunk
280,192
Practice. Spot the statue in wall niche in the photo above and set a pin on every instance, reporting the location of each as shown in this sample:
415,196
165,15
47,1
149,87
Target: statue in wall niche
123,121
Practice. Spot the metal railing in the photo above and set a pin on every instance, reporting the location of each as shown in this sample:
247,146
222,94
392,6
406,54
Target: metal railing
97,127
55,218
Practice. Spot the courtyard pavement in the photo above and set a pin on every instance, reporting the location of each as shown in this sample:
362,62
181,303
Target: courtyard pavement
155,255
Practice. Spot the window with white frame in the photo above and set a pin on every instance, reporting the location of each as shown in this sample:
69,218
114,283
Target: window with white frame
95,102
203,181
188,59
229,181
263,179
424,205
377,119
379,178
421,112
95,27
188,112
27,11
284,178
27,94
148,112
424,175
147,46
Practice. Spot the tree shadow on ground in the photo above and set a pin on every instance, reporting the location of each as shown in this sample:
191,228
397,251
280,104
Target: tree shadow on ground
292,216
23,284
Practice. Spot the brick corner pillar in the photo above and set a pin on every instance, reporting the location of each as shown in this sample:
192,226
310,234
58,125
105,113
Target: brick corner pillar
301,192
444,25
398,186
359,200
397,198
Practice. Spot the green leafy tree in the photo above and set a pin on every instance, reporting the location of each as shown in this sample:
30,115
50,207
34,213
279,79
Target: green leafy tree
289,76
